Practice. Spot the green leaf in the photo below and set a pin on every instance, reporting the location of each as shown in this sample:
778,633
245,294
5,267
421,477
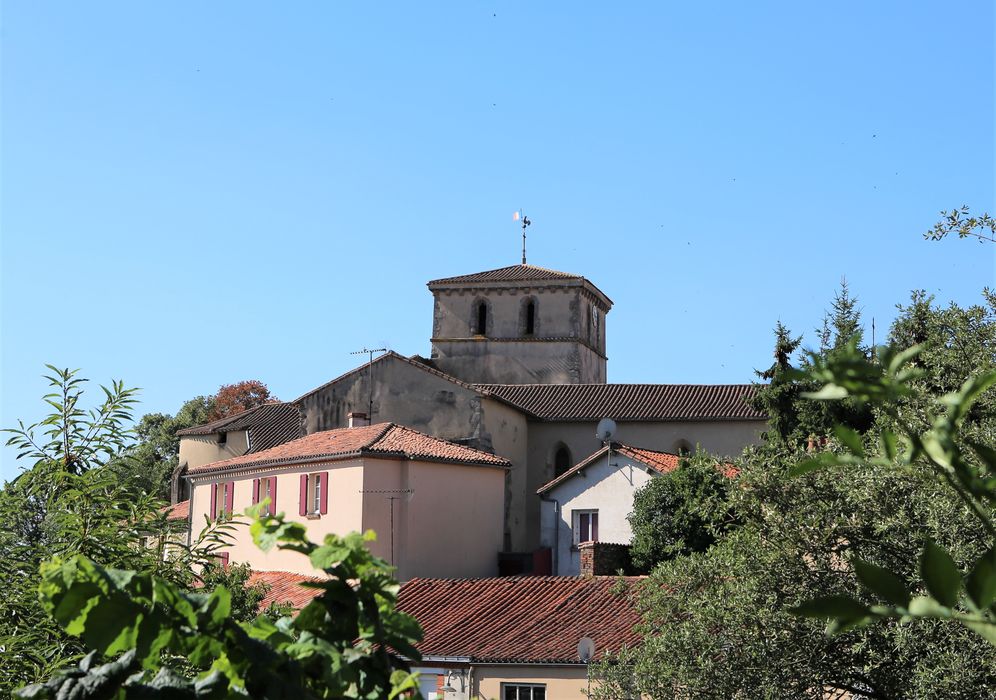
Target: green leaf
888,439
940,574
981,582
850,439
829,392
986,630
924,606
882,583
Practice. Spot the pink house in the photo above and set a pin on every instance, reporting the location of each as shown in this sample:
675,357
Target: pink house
437,507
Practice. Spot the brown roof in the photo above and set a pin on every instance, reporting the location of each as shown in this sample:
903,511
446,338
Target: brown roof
529,619
512,273
378,440
178,511
268,425
285,588
631,402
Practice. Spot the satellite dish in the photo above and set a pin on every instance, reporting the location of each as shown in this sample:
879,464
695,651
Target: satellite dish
586,649
606,430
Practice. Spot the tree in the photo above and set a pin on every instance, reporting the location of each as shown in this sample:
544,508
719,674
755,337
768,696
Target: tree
719,623
72,501
234,398
344,644
681,512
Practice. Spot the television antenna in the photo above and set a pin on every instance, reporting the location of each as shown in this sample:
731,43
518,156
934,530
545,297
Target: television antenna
586,652
519,216
370,388
605,431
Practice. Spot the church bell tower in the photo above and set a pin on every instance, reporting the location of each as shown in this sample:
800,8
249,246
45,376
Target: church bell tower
519,325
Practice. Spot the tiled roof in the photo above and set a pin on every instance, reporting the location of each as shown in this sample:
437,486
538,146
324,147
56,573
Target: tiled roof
268,425
631,402
530,619
285,587
661,462
512,273
378,440
178,511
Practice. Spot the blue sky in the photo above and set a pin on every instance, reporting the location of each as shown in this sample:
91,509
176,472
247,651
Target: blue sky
199,193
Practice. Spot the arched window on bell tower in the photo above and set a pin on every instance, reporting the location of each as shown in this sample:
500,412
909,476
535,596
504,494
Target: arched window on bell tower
562,460
528,316
481,318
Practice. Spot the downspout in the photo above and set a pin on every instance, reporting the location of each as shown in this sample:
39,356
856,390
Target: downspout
470,682
556,532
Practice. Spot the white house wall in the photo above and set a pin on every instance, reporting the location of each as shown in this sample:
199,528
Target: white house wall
603,487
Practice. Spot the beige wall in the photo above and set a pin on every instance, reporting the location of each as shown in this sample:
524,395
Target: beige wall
451,526
562,682
508,432
198,450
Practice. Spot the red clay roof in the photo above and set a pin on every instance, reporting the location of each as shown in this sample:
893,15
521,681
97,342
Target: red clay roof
178,511
378,440
531,619
631,402
285,587
661,462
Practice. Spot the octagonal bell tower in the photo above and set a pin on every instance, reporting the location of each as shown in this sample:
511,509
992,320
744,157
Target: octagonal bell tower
520,325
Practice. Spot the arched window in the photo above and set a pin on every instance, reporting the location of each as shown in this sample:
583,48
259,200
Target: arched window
527,316
562,460
481,327
683,448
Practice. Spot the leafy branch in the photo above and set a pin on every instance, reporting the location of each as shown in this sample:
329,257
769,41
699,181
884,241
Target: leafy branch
965,225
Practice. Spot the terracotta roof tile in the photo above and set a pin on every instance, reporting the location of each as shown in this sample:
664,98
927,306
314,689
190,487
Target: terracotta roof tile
285,587
178,511
268,425
378,440
631,402
661,462
534,619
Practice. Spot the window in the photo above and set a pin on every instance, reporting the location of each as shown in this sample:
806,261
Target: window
314,497
530,318
593,327
222,438
222,498
683,448
585,526
263,489
481,327
562,460
523,691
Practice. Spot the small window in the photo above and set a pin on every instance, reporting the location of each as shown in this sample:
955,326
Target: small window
523,691
222,438
530,317
222,497
562,460
314,494
585,526
267,490
482,319
683,448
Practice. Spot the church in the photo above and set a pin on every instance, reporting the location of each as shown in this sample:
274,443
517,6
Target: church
517,374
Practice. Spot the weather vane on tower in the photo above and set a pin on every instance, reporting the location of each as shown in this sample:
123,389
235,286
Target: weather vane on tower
525,222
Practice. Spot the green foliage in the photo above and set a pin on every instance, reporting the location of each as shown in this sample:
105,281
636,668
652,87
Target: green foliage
969,471
344,644
679,513
962,222
150,463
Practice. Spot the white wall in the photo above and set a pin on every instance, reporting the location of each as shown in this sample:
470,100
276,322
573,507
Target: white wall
605,487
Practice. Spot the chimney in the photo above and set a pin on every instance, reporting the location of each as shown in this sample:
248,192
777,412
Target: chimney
357,420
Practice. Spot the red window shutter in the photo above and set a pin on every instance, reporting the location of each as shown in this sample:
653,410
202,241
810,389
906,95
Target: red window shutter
229,497
585,522
303,500
594,527
272,510
324,479
223,559
213,507
255,491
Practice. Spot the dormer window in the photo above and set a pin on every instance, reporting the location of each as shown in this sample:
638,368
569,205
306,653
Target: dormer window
481,327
